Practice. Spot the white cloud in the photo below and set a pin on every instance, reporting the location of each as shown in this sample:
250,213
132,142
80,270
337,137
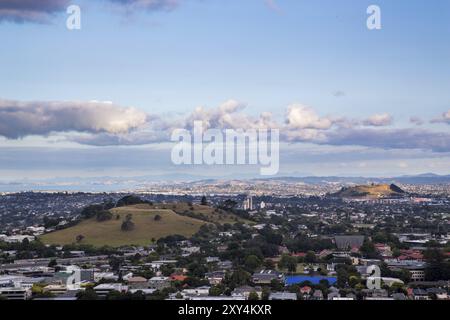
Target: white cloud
229,115
378,120
299,116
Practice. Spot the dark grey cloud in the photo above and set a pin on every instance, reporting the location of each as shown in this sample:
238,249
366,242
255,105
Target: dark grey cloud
38,11
19,119
42,11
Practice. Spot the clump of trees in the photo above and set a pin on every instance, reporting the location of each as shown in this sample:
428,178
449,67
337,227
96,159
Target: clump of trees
288,262
131,200
103,215
128,224
95,209
437,266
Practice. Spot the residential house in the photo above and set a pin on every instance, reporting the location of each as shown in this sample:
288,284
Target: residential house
104,289
246,291
137,283
215,277
159,283
267,276
317,295
283,296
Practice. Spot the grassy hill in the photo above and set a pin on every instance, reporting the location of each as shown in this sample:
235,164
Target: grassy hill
180,218
110,233
370,191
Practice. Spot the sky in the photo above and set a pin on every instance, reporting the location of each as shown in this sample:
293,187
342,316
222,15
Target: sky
103,100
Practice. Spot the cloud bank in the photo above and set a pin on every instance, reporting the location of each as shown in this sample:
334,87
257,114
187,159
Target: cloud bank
20,119
444,118
38,11
42,11
105,124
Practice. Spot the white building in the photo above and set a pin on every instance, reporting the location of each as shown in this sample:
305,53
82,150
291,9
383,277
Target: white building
12,293
248,203
104,289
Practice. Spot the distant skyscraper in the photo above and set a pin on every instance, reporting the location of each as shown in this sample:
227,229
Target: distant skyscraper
248,203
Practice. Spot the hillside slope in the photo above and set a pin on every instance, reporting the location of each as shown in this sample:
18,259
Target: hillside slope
110,233
370,191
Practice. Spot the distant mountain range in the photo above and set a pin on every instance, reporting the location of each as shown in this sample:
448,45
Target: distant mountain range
427,178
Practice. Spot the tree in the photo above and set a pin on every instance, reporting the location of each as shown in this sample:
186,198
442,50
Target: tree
437,268
229,205
310,257
238,278
265,293
342,278
204,202
129,200
276,285
353,281
288,262
52,263
127,225
253,296
197,269
216,291
252,262
79,238
103,215
88,294
157,218
368,250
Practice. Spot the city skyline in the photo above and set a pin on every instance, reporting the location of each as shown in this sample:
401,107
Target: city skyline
103,100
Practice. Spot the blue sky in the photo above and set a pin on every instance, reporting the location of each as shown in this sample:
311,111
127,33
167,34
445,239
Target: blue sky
202,53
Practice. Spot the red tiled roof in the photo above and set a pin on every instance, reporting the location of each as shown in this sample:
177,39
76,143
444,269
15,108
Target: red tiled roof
299,254
305,289
176,277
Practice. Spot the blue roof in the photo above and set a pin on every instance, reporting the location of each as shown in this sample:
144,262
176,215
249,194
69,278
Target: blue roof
290,280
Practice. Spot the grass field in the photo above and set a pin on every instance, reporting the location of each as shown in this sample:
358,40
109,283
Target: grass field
206,213
110,233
